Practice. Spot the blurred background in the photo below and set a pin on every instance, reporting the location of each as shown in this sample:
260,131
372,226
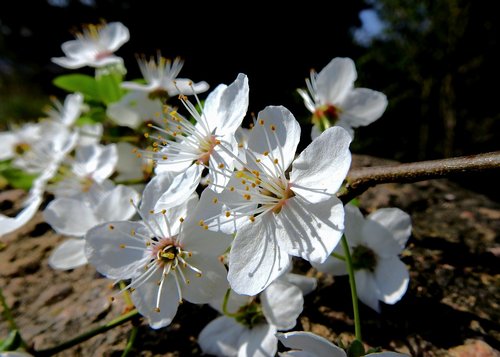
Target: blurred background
437,61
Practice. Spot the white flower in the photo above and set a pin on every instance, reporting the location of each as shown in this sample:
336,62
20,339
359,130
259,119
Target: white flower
375,244
308,344
333,100
74,216
92,164
94,46
278,215
17,141
145,101
251,327
66,113
211,142
161,78
167,255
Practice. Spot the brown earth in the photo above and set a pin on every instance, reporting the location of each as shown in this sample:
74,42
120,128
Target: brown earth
451,307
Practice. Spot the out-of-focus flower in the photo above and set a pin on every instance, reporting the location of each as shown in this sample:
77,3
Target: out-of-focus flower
375,243
94,46
333,100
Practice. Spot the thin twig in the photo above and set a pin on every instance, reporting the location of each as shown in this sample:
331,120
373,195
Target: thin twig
359,180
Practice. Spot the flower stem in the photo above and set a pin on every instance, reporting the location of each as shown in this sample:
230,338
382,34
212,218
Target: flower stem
7,313
224,305
352,283
131,340
87,335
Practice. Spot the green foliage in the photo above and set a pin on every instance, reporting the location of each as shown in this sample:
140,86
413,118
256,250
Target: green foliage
15,177
12,342
82,83
356,349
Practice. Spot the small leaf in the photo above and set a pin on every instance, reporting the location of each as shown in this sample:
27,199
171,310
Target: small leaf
17,178
356,349
109,87
12,342
78,83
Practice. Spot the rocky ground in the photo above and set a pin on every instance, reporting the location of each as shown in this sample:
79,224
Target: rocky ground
451,308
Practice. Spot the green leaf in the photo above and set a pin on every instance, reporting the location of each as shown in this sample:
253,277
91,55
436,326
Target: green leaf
78,83
17,178
109,87
12,342
356,349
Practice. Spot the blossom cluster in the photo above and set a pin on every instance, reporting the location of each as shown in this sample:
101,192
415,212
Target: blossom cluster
205,204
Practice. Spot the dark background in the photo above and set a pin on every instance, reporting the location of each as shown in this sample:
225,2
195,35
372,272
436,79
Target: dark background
437,61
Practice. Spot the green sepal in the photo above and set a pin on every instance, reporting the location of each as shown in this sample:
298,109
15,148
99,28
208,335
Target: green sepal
356,349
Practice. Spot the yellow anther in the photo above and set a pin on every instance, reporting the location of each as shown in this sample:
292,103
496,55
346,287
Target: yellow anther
266,153
201,223
247,197
252,218
132,232
111,227
228,214
122,246
205,227
150,125
146,135
231,188
221,166
273,127
215,200
163,211
157,309
261,121
275,161
151,212
181,219
198,275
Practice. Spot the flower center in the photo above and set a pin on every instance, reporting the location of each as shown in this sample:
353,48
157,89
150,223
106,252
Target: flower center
325,116
207,148
167,252
21,148
364,258
158,93
250,315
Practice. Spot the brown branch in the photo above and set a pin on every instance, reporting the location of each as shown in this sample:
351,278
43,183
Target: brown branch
359,180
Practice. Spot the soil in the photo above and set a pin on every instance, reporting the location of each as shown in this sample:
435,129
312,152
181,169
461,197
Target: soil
450,309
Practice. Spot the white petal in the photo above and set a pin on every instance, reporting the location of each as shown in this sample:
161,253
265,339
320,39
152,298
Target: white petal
106,162
115,204
69,63
221,337
311,230
168,189
260,341
332,266
221,165
256,258
8,141
114,35
396,221
70,254
354,223
170,222
104,251
321,168
380,240
306,284
282,303
212,212
336,80
367,289
145,300
123,115
392,279
10,224
281,142
213,281
72,108
129,166
226,109
311,343
362,106
186,87
70,216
